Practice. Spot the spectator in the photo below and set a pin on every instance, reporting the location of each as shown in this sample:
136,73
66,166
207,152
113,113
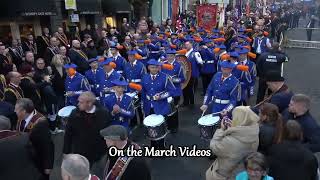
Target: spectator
78,57
13,92
63,52
256,168
271,127
58,78
83,127
91,50
36,125
29,59
232,144
76,167
16,53
299,111
290,160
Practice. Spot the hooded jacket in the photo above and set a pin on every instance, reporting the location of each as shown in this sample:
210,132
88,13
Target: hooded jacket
231,146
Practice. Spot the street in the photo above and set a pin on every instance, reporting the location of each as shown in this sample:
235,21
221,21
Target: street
300,74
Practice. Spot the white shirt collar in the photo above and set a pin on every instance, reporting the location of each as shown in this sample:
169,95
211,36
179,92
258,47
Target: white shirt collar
244,62
93,110
188,53
171,62
134,62
118,96
115,57
109,73
28,119
153,75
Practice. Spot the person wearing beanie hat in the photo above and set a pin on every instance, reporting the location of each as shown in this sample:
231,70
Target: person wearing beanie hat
29,87
75,84
119,104
116,137
94,75
223,91
280,92
109,75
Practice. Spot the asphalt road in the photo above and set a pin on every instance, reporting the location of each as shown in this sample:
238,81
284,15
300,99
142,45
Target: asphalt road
301,76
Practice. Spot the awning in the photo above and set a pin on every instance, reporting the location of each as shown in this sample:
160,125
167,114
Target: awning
114,6
89,6
35,7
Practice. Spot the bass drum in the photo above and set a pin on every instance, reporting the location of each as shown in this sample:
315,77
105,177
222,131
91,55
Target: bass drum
186,67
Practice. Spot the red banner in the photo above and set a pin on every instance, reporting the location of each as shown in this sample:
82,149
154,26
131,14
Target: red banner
207,16
175,10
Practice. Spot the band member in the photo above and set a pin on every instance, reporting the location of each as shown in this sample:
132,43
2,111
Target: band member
62,37
209,67
94,75
134,69
247,78
220,50
261,43
51,50
13,92
120,167
120,105
195,59
230,34
156,88
177,77
30,45
118,59
142,50
78,57
109,75
127,46
75,84
36,125
15,148
43,41
16,53
29,87
223,91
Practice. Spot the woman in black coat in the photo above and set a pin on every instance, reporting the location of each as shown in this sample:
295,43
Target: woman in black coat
290,160
58,78
270,127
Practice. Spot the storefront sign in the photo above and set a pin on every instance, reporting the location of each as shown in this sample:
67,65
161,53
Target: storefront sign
70,4
74,18
207,16
38,14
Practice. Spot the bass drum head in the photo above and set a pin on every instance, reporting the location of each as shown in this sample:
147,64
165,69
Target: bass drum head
153,120
66,111
208,120
186,68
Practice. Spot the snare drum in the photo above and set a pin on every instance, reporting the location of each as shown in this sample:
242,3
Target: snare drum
135,99
155,126
208,125
64,113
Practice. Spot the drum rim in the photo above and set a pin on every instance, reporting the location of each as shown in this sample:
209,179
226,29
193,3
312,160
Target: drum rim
211,123
66,107
156,115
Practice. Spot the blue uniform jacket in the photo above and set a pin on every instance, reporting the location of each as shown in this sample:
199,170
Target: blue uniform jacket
105,83
176,76
120,63
134,73
210,62
224,95
78,84
143,51
94,79
247,79
195,67
126,109
163,85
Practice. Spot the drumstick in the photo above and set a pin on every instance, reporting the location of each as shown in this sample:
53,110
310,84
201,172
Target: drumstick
203,113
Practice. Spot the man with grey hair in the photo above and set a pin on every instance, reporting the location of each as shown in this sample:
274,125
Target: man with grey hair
83,127
36,125
299,111
15,154
76,167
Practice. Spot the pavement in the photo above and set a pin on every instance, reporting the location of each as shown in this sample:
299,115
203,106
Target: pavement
300,73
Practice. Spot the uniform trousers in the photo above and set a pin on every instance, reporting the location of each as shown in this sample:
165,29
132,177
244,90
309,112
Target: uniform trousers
189,91
160,143
173,118
206,79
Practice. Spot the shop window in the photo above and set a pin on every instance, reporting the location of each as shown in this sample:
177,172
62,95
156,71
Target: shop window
110,22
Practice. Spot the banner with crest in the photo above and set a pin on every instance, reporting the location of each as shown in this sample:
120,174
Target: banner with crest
207,16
